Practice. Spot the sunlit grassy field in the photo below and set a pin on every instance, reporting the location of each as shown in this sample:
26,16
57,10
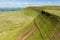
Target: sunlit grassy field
12,22
54,12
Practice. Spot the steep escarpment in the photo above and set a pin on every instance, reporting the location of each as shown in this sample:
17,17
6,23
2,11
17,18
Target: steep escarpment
47,24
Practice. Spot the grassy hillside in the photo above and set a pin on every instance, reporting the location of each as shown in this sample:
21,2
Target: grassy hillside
32,23
48,24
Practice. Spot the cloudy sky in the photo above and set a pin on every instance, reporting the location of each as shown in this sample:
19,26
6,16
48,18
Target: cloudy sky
25,3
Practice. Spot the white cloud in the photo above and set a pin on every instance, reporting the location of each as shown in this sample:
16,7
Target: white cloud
15,4
49,2
23,4
9,4
26,3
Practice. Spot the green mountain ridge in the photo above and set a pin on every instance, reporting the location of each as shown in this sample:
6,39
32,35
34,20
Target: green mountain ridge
48,24
32,23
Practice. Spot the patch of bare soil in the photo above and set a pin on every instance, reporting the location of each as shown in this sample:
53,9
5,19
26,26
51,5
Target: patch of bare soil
56,36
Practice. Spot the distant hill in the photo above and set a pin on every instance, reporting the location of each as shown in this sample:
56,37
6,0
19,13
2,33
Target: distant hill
10,9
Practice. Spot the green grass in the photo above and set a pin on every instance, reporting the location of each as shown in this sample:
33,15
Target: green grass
15,23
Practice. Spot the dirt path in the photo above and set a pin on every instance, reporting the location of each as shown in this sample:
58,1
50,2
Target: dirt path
56,36
27,34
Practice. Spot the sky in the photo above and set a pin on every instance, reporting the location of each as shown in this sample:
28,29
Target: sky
26,3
